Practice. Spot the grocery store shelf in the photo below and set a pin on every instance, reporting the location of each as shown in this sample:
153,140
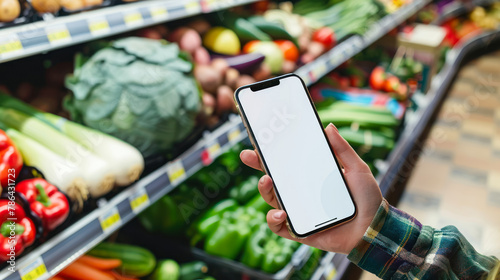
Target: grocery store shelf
37,37
324,64
457,9
55,254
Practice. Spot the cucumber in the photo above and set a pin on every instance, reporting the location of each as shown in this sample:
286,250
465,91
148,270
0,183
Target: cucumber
347,106
245,30
272,29
367,143
363,119
193,270
136,261
166,270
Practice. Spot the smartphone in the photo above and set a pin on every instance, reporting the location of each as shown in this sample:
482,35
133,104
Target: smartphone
285,129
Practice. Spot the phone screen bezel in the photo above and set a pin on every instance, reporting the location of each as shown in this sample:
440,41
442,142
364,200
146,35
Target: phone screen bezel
271,82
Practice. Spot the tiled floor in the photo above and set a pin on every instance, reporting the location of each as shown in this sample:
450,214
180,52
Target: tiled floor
457,178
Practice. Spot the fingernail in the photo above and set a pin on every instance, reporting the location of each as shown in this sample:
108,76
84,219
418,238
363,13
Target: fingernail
278,215
333,126
262,180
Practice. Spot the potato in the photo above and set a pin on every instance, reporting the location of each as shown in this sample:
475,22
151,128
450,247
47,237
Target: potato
262,73
46,6
209,78
209,103
9,10
188,39
73,5
47,100
25,91
225,101
244,80
316,49
221,65
90,3
201,56
200,25
288,66
212,121
232,76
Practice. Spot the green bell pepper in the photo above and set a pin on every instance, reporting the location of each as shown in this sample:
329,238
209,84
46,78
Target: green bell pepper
163,217
229,235
267,251
258,203
207,223
246,190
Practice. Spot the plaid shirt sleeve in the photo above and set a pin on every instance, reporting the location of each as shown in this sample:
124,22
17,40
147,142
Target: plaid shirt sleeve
397,246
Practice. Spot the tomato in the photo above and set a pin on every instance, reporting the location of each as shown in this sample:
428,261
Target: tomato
325,36
260,7
391,84
250,46
377,78
290,51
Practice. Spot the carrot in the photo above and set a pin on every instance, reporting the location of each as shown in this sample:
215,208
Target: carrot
100,263
118,276
79,271
57,277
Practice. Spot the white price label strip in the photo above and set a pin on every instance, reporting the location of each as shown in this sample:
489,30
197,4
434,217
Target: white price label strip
133,19
234,135
159,13
58,35
110,220
193,7
10,45
175,172
35,271
139,200
98,26
213,150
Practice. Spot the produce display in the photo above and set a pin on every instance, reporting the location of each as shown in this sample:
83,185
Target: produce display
98,116
11,11
114,261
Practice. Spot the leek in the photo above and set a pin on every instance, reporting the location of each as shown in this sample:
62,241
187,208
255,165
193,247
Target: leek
125,159
97,173
57,170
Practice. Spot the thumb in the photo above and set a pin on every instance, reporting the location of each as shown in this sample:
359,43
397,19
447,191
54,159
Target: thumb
344,152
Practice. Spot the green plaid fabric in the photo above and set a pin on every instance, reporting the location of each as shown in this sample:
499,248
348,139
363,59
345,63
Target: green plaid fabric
397,246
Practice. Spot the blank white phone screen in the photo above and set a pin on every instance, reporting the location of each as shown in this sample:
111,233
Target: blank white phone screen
297,155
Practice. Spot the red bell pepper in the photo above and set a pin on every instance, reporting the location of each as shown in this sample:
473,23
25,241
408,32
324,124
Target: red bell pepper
17,231
11,161
46,201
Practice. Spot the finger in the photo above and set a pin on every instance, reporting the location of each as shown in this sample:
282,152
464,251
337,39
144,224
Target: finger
267,192
345,153
250,158
276,220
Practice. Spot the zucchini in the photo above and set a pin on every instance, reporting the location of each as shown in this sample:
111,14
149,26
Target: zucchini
347,106
166,270
363,119
272,29
193,270
367,143
136,261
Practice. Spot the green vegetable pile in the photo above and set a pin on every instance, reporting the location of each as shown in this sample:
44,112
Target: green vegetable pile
232,225
138,90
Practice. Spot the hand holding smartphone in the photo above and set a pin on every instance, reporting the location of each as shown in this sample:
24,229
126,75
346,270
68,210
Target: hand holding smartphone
294,151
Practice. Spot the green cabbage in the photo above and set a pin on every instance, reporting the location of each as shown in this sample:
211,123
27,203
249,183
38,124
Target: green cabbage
138,90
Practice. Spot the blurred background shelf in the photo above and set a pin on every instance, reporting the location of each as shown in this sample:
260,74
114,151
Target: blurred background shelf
42,36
